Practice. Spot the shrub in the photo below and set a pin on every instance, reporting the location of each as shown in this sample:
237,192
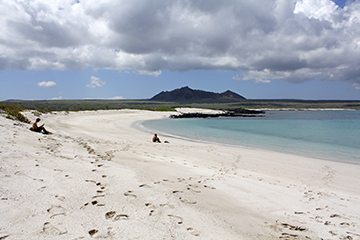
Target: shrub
13,112
43,110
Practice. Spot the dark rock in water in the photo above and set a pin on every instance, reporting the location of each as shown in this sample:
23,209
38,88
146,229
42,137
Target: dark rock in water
227,113
244,111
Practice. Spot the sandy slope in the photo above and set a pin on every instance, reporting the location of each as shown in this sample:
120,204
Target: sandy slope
97,177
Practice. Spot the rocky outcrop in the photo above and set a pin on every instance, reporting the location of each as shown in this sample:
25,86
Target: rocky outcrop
226,113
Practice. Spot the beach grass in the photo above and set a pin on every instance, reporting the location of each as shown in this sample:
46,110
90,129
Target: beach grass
14,112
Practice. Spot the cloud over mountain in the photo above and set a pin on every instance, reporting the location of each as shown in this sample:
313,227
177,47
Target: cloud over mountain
290,40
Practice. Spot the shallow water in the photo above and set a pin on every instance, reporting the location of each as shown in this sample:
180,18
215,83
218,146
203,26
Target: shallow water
333,135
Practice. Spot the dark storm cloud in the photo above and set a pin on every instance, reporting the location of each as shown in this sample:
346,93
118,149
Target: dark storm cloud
290,40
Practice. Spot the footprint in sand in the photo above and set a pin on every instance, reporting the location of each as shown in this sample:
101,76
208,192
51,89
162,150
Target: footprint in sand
166,205
167,180
289,236
56,209
93,181
121,217
93,203
319,219
98,196
110,214
299,213
58,214
38,179
48,228
193,231
93,232
153,210
338,216
61,198
150,205
5,236
42,188
195,191
179,219
130,194
319,208
184,200
181,179
177,191
210,187
84,205
294,228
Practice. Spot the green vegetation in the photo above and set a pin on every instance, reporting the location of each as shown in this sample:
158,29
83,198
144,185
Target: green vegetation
82,105
301,104
14,112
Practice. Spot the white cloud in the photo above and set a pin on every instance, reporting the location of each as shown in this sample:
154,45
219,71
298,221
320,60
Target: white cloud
257,79
57,98
290,40
117,98
113,98
95,82
151,73
356,86
318,9
48,84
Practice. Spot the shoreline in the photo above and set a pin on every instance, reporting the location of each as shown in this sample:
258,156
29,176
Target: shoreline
180,190
330,157
304,109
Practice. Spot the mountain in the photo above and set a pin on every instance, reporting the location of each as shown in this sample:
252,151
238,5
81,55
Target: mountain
188,94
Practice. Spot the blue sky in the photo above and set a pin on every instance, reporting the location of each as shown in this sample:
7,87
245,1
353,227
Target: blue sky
268,49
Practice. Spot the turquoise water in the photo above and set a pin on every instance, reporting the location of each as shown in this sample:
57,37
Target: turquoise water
333,135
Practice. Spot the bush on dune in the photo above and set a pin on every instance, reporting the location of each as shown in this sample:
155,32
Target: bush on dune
14,112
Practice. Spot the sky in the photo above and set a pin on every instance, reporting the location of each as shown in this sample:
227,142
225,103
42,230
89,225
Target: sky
120,49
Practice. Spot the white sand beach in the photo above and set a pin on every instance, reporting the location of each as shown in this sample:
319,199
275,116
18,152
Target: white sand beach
96,177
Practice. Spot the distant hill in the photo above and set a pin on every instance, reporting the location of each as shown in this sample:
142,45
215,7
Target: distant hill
188,94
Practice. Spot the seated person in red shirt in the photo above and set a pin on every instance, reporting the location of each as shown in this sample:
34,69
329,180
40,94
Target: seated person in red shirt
36,128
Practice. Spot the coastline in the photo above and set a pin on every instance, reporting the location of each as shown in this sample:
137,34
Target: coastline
305,109
301,147
179,190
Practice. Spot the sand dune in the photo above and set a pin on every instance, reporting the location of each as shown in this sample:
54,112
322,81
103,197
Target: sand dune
97,177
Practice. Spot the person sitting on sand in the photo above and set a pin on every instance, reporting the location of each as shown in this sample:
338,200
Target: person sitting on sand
36,128
156,138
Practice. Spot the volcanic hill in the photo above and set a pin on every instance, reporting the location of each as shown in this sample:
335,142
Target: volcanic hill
185,94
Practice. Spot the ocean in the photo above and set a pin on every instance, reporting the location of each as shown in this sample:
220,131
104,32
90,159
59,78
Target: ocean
329,134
